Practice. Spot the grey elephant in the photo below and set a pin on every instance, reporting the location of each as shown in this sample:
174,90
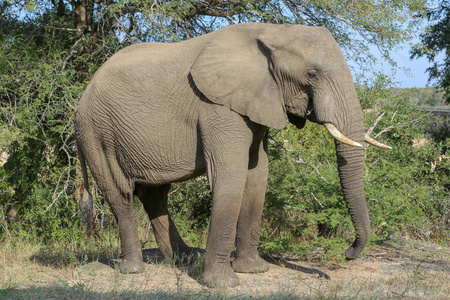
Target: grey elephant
155,114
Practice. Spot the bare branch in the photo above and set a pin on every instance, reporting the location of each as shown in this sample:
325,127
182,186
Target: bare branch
371,128
385,130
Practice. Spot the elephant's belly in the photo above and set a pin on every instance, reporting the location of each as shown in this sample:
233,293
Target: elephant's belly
160,177
161,158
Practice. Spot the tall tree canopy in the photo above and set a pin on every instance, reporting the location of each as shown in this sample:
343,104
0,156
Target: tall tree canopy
355,24
435,41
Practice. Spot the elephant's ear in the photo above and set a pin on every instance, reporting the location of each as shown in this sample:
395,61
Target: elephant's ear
233,70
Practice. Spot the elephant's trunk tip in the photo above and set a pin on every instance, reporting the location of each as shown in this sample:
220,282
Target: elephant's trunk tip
351,253
354,250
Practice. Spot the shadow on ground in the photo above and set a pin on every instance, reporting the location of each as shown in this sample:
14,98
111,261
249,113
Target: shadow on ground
59,259
284,263
78,292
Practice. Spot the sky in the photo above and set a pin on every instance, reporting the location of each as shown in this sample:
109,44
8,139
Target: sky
416,77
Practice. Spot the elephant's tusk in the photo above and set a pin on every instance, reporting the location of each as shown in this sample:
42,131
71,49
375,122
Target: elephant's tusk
340,137
376,143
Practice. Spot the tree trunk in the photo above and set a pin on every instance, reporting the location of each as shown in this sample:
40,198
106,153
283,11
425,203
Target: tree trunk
83,10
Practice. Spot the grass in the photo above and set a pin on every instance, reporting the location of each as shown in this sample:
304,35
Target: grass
70,269
56,272
365,289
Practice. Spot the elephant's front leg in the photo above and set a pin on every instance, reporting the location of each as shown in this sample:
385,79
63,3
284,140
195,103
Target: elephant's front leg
228,189
249,223
227,167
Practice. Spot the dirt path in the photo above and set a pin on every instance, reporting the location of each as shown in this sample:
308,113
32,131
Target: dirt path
405,269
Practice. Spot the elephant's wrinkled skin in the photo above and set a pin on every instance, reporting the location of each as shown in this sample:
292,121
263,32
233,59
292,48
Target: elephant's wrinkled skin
155,114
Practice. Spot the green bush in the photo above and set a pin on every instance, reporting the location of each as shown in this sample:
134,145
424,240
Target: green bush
39,89
190,204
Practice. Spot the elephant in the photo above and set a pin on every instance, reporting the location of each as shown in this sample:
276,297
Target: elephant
159,113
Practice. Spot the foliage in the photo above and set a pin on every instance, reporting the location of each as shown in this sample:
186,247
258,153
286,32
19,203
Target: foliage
407,188
355,24
37,101
435,41
190,205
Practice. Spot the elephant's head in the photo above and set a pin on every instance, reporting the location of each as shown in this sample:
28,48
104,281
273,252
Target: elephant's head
273,72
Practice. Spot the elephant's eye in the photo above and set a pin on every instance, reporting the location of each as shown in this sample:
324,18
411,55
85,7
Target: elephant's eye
313,74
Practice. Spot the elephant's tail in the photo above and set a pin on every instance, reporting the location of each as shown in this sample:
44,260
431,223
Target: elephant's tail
86,201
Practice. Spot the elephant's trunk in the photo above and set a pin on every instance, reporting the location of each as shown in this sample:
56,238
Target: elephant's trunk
350,162
350,166
350,156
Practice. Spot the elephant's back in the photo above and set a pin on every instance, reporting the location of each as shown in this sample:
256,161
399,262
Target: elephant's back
144,54
165,55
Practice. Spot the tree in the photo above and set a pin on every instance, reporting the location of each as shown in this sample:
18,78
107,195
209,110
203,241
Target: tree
434,41
355,24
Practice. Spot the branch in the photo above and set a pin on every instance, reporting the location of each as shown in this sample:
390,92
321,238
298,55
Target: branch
371,128
60,28
386,129
72,51
214,9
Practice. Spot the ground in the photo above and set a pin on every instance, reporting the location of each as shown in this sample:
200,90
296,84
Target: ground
391,269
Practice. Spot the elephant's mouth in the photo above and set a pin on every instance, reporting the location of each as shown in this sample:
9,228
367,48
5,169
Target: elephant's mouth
345,140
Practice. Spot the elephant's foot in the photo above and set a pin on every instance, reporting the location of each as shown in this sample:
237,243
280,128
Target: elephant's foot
220,276
131,265
247,264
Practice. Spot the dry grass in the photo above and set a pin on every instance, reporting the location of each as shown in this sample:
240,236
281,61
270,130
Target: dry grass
391,270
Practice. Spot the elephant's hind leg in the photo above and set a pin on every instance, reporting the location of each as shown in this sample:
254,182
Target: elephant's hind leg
167,237
118,194
123,209
249,223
